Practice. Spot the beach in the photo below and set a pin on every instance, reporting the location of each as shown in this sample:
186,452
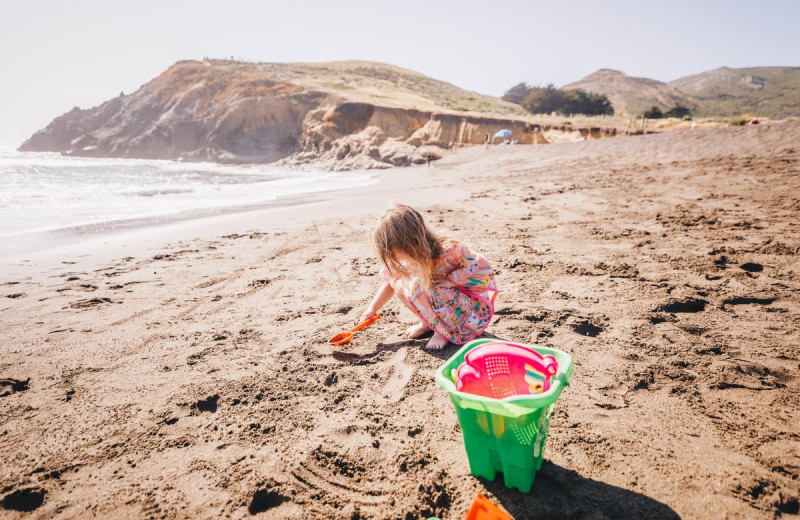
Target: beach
184,371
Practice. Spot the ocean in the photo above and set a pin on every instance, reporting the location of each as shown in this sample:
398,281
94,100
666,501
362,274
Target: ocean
46,194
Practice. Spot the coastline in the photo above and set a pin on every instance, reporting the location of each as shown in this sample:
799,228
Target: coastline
124,238
188,370
51,200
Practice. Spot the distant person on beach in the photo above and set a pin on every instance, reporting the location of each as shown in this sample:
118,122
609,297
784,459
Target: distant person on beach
430,160
450,288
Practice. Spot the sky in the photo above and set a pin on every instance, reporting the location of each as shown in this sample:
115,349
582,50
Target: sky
56,54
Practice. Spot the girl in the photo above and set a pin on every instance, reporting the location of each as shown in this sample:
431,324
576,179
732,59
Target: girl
450,288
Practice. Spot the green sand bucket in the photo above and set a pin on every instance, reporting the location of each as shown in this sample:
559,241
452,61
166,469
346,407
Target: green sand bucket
505,435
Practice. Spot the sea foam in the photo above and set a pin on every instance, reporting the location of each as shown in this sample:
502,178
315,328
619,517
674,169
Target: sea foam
48,192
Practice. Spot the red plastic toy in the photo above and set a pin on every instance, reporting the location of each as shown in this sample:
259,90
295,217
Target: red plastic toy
499,369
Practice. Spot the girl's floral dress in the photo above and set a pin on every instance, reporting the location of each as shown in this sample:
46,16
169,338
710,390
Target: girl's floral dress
459,313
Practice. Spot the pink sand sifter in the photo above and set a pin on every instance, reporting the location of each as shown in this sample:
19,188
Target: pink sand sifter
498,370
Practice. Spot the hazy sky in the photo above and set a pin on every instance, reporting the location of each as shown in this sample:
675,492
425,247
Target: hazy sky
58,54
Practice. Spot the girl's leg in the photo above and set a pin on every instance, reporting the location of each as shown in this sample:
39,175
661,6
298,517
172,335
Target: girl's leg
437,341
417,329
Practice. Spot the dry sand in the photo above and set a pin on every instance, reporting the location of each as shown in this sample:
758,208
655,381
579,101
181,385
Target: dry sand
195,381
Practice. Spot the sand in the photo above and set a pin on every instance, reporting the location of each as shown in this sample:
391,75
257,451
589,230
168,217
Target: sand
192,378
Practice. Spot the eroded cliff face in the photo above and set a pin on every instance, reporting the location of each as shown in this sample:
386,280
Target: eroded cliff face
231,112
358,135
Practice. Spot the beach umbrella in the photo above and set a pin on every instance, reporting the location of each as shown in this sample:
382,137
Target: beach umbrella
502,133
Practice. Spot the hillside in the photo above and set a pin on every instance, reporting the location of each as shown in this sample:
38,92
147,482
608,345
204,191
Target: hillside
387,85
631,95
339,115
772,92
764,91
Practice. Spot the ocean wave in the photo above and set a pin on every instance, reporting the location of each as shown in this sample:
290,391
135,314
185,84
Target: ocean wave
155,192
45,192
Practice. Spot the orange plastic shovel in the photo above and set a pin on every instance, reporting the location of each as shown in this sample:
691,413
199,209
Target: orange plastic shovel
347,337
483,509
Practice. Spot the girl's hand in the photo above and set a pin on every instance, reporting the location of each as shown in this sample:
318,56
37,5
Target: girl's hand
367,314
385,292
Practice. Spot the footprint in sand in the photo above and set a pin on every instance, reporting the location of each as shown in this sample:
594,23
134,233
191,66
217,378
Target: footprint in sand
265,499
25,500
209,404
761,299
88,304
690,305
584,326
10,386
751,267
400,374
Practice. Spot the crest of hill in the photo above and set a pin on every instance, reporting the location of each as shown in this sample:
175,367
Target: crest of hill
381,84
631,95
765,91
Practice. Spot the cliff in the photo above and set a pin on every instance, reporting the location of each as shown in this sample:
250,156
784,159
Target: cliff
356,135
339,115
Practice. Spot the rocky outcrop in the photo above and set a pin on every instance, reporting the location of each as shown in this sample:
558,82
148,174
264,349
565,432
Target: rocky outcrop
241,113
191,112
357,135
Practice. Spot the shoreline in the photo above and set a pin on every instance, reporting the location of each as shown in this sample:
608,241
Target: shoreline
147,235
46,205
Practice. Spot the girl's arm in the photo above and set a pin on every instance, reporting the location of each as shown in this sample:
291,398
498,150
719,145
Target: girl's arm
384,294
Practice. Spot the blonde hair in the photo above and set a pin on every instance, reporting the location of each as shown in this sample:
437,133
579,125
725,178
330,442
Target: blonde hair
402,229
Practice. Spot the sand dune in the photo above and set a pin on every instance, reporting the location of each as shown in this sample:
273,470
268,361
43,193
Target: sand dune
195,381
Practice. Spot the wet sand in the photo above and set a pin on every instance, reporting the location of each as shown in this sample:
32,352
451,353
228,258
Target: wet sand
192,378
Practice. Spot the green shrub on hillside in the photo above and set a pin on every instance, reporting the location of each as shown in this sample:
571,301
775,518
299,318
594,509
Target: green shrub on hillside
545,100
653,113
517,93
680,111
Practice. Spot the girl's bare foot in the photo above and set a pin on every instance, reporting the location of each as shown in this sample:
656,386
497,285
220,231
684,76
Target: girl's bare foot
417,330
437,342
